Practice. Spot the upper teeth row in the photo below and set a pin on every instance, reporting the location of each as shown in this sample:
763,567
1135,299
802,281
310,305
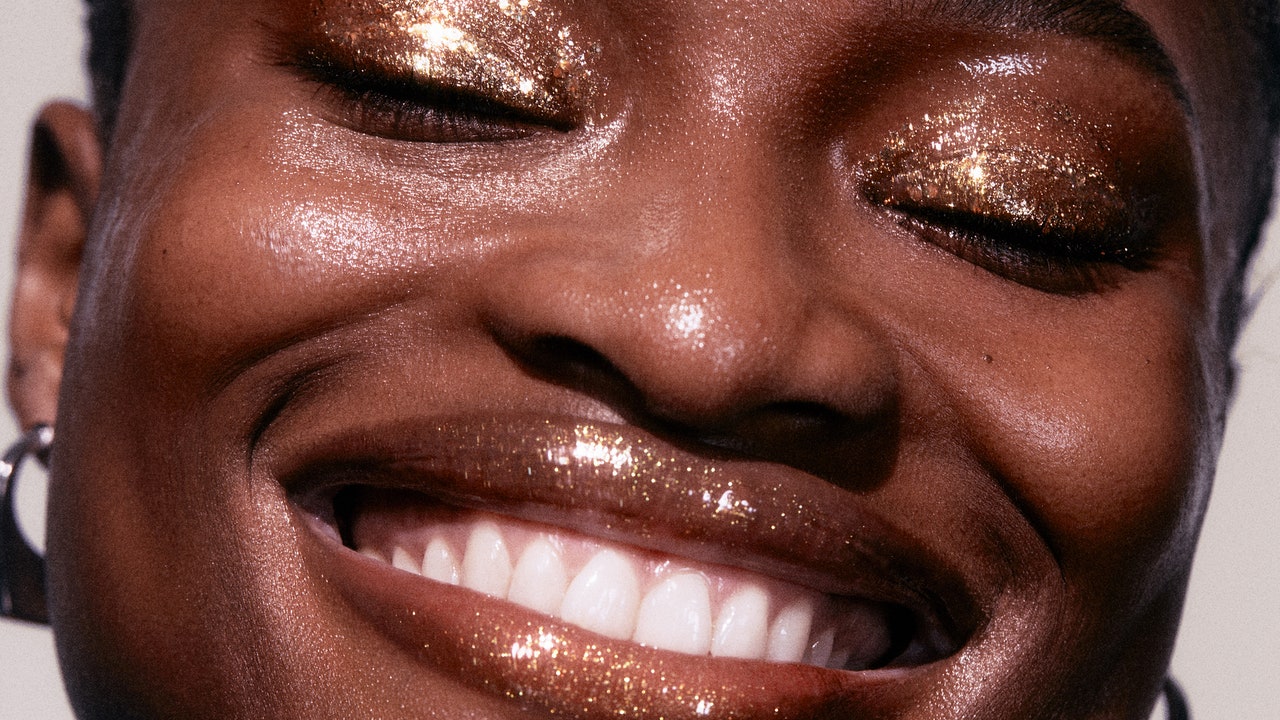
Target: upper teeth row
621,594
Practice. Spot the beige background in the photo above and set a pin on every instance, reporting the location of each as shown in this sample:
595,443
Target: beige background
1228,655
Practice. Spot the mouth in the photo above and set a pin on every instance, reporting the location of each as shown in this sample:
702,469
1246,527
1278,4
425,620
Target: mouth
556,544
625,593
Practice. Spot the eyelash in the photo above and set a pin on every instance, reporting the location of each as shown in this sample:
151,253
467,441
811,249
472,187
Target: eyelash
1044,253
1057,261
397,106
1052,262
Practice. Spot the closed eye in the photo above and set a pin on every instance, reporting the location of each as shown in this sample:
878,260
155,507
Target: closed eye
397,104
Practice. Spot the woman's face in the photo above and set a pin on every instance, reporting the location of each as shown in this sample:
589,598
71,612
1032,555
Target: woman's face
691,339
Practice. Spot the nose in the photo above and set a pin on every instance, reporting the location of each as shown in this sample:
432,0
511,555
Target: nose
691,298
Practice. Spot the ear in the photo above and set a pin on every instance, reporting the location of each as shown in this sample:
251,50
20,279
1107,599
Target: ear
62,187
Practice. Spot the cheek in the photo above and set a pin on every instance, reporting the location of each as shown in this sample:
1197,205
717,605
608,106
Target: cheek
234,250
1095,422
210,255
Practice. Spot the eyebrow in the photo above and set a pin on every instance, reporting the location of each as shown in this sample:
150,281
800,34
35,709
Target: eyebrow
1108,22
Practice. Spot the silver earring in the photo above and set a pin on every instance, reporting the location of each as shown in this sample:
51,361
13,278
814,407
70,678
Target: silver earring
22,593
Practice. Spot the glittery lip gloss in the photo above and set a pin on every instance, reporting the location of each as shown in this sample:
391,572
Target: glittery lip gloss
514,52
616,482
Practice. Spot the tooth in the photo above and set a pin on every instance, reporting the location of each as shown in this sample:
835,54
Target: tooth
486,565
676,615
820,649
539,581
400,558
743,626
789,633
439,563
373,554
604,597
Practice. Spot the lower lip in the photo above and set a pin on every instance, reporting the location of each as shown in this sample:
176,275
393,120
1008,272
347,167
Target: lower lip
541,664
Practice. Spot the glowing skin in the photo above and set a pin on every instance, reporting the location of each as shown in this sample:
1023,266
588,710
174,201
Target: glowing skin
352,248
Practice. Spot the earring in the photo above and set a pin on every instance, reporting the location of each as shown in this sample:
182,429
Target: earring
1175,701
21,566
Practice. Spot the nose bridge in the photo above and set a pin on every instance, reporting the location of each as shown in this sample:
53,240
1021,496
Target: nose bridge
721,264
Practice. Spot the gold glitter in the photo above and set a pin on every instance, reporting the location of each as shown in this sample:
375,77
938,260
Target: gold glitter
621,483
514,52
565,673
635,488
975,159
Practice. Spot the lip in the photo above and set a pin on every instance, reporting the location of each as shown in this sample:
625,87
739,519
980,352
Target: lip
620,484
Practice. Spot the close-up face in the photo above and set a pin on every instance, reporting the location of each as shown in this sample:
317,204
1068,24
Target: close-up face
655,359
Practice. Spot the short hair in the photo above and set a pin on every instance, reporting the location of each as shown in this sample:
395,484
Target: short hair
110,37
1262,17
110,40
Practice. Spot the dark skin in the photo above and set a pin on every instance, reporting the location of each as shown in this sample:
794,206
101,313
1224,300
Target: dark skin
697,263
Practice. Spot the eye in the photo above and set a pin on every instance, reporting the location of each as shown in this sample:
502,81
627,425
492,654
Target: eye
1026,215
397,104
1050,260
444,72
1050,219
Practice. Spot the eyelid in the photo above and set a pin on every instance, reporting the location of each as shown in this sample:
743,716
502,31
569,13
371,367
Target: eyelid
518,55
387,103
1026,188
1033,198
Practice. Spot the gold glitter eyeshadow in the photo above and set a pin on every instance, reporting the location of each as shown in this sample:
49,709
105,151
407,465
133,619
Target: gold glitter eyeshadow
514,52
974,159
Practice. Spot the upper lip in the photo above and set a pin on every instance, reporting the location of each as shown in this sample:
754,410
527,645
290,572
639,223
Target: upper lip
620,483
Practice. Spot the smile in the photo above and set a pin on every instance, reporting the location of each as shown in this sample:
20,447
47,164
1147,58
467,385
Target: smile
590,541
622,593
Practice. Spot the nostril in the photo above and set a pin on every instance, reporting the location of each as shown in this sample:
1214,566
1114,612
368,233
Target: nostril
574,365
766,430
564,355
857,449
797,417
854,451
